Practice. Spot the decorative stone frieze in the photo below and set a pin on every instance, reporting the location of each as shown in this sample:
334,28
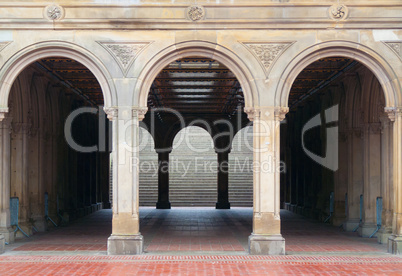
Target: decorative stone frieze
195,13
395,46
267,52
338,12
124,52
54,12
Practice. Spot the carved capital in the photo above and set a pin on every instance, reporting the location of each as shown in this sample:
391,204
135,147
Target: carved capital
252,113
392,112
2,115
140,112
280,113
111,112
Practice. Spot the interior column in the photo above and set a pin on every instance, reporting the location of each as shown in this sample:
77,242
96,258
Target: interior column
266,238
126,238
163,179
223,179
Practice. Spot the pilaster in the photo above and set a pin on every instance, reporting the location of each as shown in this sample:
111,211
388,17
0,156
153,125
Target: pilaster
395,241
126,238
5,178
266,238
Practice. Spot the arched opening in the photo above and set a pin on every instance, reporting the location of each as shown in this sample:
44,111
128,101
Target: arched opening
196,105
56,154
336,143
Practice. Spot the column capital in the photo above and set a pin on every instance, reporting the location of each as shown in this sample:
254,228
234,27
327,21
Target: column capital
111,112
276,113
163,150
140,112
393,112
3,113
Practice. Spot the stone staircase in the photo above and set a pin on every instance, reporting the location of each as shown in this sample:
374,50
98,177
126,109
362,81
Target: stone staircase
193,174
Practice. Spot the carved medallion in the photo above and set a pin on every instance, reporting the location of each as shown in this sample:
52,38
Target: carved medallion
396,47
338,12
124,52
267,53
54,12
196,13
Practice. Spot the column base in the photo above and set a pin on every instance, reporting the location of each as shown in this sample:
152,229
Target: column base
266,245
395,245
351,225
2,244
222,205
365,230
383,235
163,205
8,234
125,245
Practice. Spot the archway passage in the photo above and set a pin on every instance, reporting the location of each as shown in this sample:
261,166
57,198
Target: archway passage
195,92
54,150
337,145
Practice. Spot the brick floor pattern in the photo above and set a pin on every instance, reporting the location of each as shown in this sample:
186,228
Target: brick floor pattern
219,237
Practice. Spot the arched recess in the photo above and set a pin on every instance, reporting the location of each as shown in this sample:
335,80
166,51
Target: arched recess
19,61
380,68
196,49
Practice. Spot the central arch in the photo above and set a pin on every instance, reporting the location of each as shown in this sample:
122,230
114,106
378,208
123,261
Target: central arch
380,68
200,49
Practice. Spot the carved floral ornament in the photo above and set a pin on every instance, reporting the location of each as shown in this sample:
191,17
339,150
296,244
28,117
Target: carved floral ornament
124,52
54,12
395,46
338,12
279,112
196,13
137,112
393,112
267,52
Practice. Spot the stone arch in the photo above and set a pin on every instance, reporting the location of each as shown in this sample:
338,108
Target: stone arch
374,62
199,49
19,61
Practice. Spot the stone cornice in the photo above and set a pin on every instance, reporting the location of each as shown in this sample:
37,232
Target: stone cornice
163,15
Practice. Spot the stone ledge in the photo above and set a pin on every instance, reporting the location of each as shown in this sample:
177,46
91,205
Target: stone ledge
266,245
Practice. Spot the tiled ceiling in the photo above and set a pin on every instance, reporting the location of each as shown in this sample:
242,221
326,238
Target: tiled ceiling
316,75
197,86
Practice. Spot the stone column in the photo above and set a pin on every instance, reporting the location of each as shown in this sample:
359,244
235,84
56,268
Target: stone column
371,178
163,179
266,238
223,179
386,181
5,178
126,238
395,241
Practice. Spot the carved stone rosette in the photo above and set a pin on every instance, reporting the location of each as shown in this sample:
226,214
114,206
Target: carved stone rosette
195,13
338,12
53,12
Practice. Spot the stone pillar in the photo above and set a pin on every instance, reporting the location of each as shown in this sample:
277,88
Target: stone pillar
2,244
371,178
163,179
395,241
355,182
223,179
266,238
5,178
386,181
126,238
